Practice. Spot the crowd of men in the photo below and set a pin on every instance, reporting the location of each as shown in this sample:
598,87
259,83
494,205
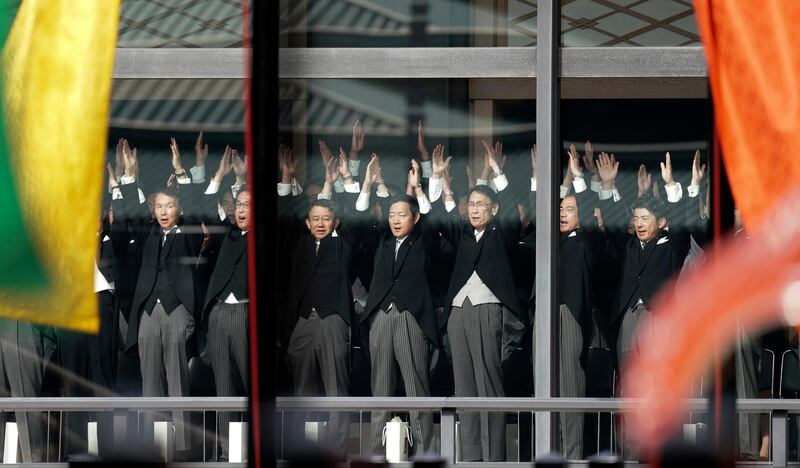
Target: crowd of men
171,284
407,274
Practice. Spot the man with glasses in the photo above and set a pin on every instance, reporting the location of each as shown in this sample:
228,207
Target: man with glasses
485,319
225,309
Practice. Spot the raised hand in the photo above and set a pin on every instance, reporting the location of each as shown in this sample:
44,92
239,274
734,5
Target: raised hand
498,151
225,164
325,152
439,163
470,177
574,161
331,171
533,160
343,168
607,169
643,180
666,171
240,165
200,150
176,156
119,162
357,142
112,179
698,171
129,160
423,150
491,159
414,175
588,158
373,174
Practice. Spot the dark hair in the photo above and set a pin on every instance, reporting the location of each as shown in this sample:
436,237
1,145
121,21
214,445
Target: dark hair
168,192
327,204
652,204
243,188
403,198
485,190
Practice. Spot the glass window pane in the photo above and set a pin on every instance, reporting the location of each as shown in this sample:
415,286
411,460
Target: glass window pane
408,23
628,23
418,311
628,228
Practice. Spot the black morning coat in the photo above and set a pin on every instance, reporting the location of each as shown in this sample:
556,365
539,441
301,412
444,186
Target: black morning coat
407,279
490,258
319,279
577,260
181,254
646,270
230,245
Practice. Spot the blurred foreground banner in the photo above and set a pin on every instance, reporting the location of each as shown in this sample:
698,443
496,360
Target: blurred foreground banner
58,60
751,282
754,68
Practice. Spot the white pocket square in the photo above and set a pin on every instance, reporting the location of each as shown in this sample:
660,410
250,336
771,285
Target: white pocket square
663,240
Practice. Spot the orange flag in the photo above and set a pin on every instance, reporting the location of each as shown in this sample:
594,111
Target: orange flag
753,54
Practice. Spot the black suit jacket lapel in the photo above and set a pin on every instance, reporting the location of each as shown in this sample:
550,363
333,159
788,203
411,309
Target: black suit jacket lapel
647,253
402,253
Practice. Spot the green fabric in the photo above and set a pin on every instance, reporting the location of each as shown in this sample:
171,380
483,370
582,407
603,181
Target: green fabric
20,267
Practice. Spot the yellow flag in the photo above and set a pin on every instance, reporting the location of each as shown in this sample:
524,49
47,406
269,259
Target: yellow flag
58,62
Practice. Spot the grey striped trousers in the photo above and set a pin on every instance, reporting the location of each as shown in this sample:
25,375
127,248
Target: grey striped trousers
319,350
21,373
164,360
227,347
634,319
396,336
571,381
476,334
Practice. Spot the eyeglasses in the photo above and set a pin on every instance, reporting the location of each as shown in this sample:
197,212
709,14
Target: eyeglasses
243,205
480,205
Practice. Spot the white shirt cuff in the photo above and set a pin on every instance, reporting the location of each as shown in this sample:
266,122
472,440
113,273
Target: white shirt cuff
362,203
221,213
564,191
354,165
533,184
284,189
382,193
674,193
142,198
579,184
435,189
184,180
449,205
352,188
198,174
481,182
324,196
424,204
427,169
116,194
613,193
596,186
297,189
500,183
693,190
125,180
213,187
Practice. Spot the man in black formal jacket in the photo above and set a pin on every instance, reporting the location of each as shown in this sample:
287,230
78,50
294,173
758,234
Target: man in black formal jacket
579,241
398,327
486,321
162,316
225,307
320,306
649,257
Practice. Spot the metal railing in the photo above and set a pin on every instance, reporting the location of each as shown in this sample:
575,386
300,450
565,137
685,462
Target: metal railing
447,406
123,408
